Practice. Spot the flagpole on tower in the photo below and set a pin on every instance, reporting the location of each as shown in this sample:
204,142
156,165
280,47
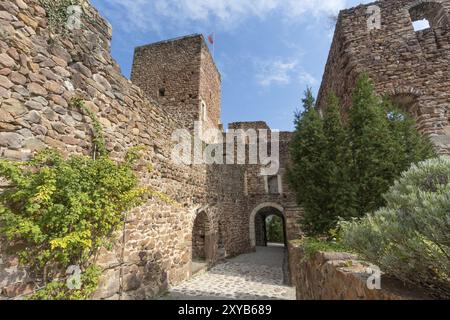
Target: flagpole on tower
211,39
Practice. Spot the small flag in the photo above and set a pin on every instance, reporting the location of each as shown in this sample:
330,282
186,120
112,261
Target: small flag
211,38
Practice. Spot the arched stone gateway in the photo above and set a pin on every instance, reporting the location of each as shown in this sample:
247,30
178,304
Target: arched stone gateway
267,228
199,241
257,218
290,214
204,242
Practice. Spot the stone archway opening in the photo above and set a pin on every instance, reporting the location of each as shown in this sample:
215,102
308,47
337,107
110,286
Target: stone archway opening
201,243
199,232
408,104
268,226
428,15
267,243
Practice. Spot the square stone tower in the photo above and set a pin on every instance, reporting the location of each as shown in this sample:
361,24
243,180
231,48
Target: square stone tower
410,64
181,76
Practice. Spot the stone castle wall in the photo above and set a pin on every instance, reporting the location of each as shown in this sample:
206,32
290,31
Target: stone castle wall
412,67
41,72
39,77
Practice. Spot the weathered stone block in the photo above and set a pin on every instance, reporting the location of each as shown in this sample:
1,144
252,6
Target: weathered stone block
11,140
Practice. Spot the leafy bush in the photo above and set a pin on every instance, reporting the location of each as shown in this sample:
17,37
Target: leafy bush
410,237
312,245
58,290
341,169
59,212
57,12
275,232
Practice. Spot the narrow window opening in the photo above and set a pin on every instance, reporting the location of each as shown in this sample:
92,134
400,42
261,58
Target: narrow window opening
162,92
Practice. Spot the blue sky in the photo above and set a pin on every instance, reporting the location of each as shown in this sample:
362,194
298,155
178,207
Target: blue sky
268,51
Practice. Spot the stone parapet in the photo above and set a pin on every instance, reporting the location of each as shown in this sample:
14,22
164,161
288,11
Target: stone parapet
340,276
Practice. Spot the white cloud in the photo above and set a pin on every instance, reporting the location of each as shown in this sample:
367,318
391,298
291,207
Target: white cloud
278,71
151,14
306,78
282,72
296,8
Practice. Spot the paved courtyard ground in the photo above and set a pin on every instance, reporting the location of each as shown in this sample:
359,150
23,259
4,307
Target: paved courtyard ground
253,276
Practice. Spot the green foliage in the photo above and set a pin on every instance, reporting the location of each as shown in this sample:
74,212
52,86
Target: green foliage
384,143
414,147
307,152
341,170
59,212
57,14
274,228
58,290
312,245
98,137
410,237
339,193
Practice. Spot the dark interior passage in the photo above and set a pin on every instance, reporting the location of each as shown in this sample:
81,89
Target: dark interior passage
270,227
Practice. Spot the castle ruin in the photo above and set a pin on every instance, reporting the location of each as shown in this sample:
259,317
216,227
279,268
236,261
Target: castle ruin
410,66
218,211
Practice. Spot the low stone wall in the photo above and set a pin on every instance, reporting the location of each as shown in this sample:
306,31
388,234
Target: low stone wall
340,276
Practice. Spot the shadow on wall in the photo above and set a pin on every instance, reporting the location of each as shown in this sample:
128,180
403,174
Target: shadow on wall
134,281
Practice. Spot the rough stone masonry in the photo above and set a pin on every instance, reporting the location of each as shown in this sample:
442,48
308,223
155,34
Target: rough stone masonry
412,67
214,207
217,209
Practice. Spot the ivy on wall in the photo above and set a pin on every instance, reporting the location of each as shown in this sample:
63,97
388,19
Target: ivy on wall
56,212
98,139
57,13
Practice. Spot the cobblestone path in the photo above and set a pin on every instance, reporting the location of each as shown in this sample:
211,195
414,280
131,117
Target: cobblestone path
253,276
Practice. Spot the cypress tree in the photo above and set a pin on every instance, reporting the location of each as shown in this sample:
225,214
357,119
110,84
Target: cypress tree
343,170
414,146
306,177
374,152
341,190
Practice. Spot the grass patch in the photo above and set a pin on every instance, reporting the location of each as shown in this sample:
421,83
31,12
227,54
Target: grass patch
313,245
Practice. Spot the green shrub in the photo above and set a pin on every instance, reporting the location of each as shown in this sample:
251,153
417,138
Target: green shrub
58,290
410,237
57,14
275,232
312,245
341,169
58,212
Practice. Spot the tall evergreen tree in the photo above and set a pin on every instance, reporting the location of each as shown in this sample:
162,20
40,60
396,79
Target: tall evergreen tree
414,145
343,170
384,143
341,190
306,173
373,149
